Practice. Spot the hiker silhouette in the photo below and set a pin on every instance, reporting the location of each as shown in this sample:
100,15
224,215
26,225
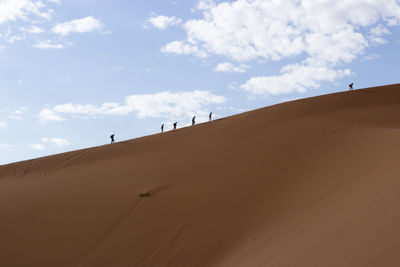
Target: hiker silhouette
112,138
209,116
175,124
193,120
162,128
351,86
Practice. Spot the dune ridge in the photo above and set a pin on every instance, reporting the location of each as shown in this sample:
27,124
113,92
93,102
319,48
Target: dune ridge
310,182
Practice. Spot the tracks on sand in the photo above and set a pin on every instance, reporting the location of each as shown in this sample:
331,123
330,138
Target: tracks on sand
24,167
64,162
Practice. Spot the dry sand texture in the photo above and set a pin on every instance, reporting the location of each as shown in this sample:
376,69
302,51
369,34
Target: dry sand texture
312,182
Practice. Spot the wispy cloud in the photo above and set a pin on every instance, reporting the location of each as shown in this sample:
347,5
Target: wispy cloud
16,114
183,48
38,147
162,22
3,125
48,44
376,34
60,142
229,67
54,141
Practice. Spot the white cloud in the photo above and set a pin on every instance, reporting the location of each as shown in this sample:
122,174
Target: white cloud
54,1
272,30
48,44
3,125
182,48
295,78
158,105
86,109
48,115
87,24
16,115
18,118
377,40
59,142
12,10
314,35
38,147
228,67
56,141
162,22
376,34
24,12
14,38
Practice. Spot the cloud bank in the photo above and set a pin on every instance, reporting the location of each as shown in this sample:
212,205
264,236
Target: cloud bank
320,36
159,105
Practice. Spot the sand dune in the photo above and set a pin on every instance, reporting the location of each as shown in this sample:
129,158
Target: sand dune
312,182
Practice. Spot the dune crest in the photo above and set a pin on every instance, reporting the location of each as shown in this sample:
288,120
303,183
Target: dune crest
311,182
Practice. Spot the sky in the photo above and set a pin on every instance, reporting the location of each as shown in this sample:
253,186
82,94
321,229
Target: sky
74,72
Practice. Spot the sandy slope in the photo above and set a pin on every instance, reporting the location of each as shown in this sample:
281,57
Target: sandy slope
313,182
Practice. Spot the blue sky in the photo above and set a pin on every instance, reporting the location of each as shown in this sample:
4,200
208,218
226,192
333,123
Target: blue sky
73,72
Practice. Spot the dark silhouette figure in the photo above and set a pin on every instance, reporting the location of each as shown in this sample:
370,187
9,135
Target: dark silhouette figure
193,120
162,128
351,86
112,138
210,116
175,124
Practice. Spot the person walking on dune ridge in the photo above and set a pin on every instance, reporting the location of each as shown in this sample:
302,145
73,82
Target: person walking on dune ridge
351,86
175,124
112,138
162,128
193,120
209,116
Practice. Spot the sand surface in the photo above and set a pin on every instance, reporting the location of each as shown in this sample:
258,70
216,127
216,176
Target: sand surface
312,182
